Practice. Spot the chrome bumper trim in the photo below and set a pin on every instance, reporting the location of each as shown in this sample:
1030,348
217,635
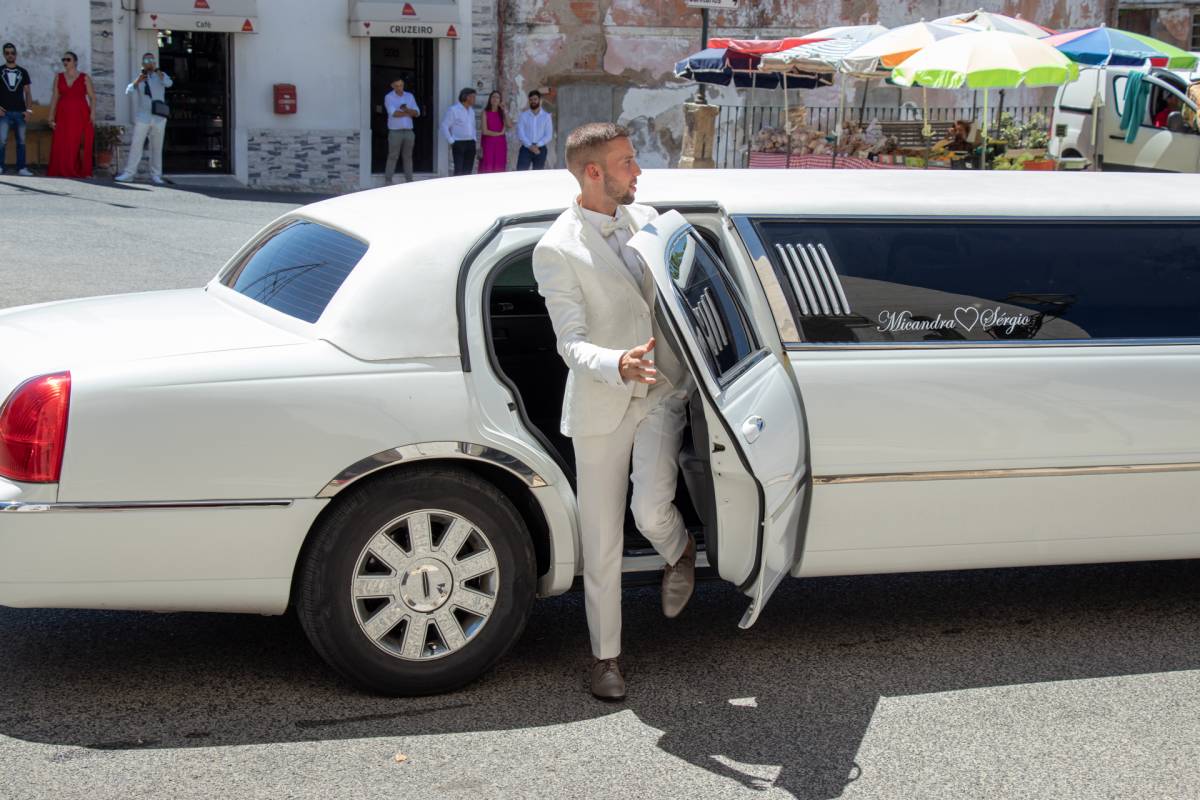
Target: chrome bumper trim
152,505
1025,472
428,450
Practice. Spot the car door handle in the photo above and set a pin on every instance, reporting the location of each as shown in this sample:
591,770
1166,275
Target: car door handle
752,427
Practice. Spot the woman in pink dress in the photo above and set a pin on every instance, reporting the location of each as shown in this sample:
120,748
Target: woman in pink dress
71,102
494,157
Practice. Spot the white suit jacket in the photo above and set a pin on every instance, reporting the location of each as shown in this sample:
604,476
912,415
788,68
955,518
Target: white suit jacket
599,312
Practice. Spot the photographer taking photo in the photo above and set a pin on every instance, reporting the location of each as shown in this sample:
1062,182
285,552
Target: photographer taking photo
149,89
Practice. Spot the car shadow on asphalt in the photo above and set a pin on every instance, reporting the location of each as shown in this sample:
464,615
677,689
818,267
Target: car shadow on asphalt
796,693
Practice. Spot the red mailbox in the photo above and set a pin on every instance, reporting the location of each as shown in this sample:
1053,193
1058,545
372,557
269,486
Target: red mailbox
285,98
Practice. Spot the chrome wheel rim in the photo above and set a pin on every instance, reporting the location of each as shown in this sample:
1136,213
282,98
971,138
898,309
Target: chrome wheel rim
425,585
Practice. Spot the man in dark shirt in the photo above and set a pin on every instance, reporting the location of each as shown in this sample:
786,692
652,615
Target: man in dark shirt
16,103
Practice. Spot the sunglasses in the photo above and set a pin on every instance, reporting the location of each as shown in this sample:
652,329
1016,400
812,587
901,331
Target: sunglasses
67,60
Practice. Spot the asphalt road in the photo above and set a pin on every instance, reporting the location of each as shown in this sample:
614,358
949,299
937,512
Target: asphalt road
1067,682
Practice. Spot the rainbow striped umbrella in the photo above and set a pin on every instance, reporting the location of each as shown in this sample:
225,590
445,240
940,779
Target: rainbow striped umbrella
1104,46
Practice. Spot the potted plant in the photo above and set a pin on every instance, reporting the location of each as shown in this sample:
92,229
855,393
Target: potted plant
107,139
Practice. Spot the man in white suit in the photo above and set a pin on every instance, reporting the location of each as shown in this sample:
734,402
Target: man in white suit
626,390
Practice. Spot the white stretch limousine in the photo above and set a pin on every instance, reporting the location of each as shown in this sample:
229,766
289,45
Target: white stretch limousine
358,416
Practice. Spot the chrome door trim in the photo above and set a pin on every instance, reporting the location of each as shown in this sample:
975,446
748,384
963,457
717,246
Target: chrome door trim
428,450
1017,472
148,505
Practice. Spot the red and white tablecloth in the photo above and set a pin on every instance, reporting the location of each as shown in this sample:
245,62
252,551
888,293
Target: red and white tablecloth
780,161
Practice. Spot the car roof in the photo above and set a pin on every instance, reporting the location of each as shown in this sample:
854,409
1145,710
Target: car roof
469,205
399,302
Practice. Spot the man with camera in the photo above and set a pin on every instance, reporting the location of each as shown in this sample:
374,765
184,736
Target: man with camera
149,90
401,109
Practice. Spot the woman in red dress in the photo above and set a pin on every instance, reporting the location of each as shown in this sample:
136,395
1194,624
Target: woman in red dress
495,144
71,104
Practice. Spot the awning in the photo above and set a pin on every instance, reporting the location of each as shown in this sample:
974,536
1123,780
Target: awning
426,19
216,16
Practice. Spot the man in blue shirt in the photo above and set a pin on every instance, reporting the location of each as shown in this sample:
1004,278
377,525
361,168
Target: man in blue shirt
535,129
148,89
458,128
401,109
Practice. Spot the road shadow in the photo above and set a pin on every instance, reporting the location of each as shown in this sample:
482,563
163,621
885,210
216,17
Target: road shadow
798,690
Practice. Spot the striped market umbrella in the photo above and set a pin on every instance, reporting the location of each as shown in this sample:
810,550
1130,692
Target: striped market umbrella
822,56
1104,46
884,52
987,21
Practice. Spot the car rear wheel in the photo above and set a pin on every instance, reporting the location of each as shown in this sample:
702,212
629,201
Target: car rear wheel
417,582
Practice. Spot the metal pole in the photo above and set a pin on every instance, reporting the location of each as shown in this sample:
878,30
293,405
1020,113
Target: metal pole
701,97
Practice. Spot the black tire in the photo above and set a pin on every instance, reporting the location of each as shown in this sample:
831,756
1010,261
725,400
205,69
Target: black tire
326,609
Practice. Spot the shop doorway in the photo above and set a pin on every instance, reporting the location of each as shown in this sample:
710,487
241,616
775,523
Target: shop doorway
412,60
198,130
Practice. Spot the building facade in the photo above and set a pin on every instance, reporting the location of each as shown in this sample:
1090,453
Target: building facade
233,61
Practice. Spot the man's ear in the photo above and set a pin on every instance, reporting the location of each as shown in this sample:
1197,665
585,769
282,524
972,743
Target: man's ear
592,170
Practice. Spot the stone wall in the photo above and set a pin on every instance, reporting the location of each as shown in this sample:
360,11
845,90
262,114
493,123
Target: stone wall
103,79
303,160
627,48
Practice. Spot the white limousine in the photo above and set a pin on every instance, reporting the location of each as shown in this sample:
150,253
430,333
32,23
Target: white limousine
358,416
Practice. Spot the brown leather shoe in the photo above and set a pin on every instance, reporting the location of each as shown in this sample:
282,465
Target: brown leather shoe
679,579
607,681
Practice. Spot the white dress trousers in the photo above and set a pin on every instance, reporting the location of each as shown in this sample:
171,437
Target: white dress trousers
651,432
157,130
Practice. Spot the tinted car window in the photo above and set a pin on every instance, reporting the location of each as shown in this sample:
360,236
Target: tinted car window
298,269
988,281
714,309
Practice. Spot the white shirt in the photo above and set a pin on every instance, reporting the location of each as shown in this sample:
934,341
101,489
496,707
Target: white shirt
392,103
458,124
618,239
535,129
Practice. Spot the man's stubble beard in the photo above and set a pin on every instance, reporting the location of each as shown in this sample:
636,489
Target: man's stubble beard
614,192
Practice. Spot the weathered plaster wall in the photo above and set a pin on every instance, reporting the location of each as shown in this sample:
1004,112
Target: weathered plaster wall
630,46
42,30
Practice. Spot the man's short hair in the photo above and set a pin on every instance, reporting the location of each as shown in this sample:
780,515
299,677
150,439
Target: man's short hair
535,93
585,144
8,46
465,93
151,56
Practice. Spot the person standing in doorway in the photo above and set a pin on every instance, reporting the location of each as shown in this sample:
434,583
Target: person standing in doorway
458,128
16,105
535,129
494,141
401,109
72,113
149,90
626,392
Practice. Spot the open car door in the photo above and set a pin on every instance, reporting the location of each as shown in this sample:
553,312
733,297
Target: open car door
757,441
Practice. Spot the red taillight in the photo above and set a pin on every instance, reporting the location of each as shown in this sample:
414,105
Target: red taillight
33,429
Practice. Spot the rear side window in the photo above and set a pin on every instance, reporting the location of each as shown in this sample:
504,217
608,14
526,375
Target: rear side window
984,281
297,269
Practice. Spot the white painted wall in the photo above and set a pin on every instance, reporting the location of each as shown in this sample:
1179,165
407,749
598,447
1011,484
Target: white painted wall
42,30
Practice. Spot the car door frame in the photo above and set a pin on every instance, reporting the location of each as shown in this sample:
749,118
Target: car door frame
1134,155
768,348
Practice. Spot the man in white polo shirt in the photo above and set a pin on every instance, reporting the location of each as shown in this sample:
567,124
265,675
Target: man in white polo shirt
401,109
535,129
458,128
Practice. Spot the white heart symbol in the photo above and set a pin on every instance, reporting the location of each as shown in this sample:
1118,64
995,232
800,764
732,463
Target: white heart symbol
963,313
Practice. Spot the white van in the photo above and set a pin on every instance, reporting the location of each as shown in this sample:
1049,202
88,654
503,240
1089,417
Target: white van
1172,149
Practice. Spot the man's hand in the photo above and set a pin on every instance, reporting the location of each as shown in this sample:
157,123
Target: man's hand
636,367
2,111
536,150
